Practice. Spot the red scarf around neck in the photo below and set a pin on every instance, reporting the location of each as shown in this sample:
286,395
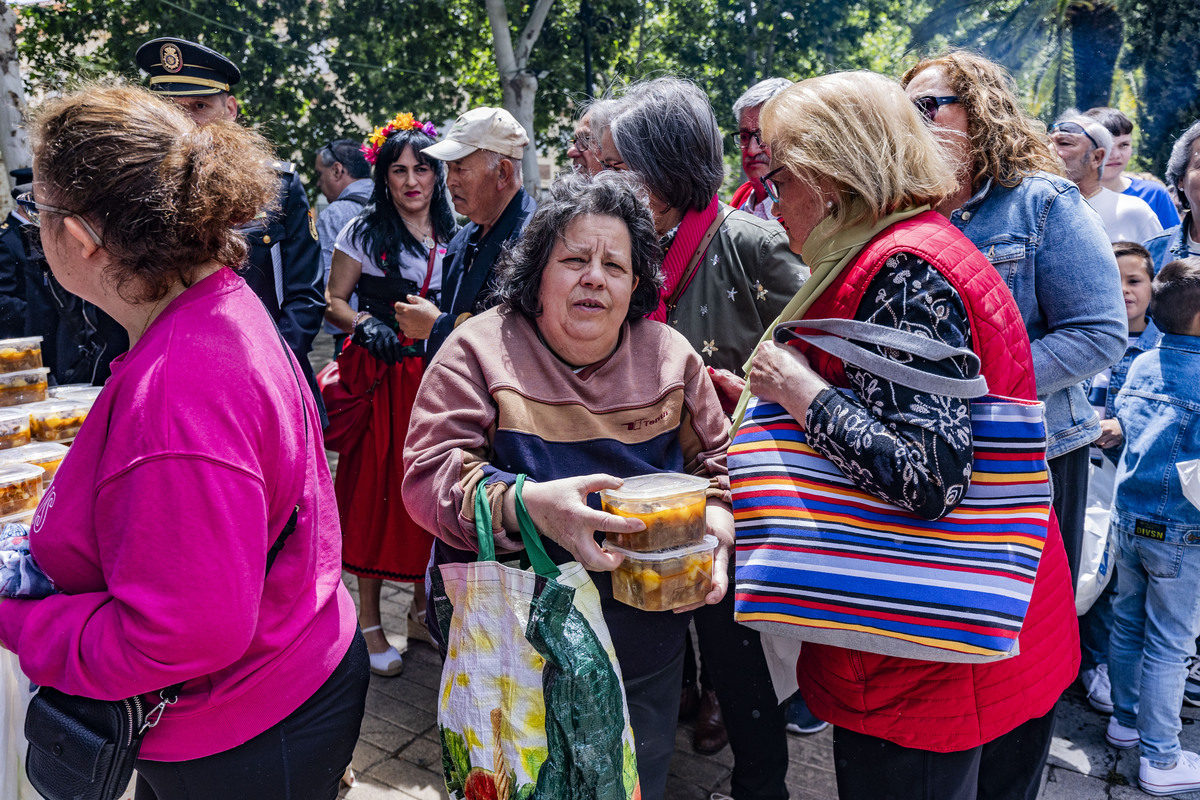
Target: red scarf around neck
691,230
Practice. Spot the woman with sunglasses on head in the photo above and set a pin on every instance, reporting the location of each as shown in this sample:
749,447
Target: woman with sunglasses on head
200,462
856,172
1048,246
389,254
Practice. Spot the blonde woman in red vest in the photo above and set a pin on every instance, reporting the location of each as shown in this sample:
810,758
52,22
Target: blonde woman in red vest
856,172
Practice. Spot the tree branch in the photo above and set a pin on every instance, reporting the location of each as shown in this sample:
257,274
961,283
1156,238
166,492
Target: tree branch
506,62
533,29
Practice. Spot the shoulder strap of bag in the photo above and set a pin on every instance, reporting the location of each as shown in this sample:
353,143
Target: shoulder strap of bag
685,280
835,339
538,557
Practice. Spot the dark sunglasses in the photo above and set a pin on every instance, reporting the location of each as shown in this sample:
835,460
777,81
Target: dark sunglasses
742,139
1075,129
929,104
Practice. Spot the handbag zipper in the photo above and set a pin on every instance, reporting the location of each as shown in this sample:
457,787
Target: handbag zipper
133,715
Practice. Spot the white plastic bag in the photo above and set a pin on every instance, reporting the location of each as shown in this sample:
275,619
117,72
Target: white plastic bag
1189,477
1098,555
14,698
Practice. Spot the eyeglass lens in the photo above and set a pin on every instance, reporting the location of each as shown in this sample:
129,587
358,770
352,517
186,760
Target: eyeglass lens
742,138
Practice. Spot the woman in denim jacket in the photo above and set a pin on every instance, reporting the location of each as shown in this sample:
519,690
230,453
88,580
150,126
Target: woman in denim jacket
1183,172
1047,244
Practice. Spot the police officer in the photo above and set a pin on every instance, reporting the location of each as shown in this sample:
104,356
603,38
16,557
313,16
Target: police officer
284,267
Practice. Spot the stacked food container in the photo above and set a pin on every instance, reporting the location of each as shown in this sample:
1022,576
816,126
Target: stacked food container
34,430
669,564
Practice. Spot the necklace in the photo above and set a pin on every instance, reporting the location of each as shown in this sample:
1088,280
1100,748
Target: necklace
426,238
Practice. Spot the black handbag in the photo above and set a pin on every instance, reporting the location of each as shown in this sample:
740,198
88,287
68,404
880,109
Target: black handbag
85,749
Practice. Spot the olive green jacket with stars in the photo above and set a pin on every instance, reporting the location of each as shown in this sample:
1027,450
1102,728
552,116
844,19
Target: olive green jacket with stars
746,278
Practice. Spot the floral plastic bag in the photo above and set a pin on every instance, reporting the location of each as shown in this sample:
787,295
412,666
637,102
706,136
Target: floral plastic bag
531,702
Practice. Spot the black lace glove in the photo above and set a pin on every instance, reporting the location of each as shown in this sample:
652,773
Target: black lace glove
378,339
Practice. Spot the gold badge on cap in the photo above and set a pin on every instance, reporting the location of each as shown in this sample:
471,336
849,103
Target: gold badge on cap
170,57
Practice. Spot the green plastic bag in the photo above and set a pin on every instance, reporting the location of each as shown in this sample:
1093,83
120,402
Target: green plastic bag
531,702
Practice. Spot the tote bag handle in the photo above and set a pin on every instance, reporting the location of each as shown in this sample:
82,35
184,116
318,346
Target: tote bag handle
835,339
542,563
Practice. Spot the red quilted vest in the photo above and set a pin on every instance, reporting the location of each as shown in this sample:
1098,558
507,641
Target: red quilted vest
922,704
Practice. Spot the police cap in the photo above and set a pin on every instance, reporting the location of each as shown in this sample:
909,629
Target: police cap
179,68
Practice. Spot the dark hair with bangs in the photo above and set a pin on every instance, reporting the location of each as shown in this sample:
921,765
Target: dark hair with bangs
1136,250
379,224
1176,299
608,194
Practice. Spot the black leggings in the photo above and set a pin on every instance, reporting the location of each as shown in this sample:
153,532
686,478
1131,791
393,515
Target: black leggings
1007,768
301,758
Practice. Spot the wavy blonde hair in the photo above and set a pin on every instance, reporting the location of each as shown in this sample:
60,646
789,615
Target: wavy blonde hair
858,132
1005,143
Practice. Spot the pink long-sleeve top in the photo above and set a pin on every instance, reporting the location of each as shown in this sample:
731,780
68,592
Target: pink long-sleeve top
157,527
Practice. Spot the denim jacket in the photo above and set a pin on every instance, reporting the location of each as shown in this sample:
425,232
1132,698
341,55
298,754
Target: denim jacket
1146,340
1159,411
1171,244
1050,248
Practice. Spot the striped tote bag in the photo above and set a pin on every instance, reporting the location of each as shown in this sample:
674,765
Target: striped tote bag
820,560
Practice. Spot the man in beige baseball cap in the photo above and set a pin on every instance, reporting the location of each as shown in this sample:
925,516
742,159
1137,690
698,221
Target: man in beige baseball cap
482,151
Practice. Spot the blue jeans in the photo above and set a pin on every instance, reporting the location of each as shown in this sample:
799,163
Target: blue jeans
1154,633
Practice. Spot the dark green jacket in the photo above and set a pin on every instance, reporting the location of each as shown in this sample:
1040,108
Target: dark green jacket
746,278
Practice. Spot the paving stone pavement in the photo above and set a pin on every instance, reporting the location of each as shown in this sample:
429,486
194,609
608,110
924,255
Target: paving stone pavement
399,758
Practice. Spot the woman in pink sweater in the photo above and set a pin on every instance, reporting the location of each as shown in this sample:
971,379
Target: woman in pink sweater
200,447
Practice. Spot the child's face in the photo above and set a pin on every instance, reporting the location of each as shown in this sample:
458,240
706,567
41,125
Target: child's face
1135,286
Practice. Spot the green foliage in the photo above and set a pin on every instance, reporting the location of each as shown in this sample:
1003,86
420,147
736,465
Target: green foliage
1163,39
456,759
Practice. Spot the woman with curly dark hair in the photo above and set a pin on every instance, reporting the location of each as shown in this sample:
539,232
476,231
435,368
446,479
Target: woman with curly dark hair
390,254
566,382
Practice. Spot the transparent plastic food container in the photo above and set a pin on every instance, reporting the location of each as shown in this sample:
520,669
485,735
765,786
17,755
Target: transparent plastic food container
20,354
82,392
666,579
23,518
20,487
58,420
26,386
670,503
47,455
14,428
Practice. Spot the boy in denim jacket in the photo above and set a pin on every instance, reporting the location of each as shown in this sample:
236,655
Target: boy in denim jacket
1158,529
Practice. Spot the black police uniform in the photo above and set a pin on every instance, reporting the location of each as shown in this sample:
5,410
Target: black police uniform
284,267
13,257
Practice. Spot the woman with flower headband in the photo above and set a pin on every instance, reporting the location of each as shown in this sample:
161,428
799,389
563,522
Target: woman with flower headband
389,253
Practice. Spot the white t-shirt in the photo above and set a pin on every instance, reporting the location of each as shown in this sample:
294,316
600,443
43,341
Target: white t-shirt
1126,218
412,266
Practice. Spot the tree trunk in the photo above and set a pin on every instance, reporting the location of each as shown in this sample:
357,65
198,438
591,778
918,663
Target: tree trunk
14,141
1097,33
518,84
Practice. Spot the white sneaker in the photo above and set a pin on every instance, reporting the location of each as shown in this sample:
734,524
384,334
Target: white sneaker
1099,688
1183,777
1121,737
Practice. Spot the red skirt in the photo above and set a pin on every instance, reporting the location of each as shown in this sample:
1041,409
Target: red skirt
380,539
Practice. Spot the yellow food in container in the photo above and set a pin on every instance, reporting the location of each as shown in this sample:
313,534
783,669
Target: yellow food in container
47,455
666,579
14,428
20,354
57,420
25,386
670,503
20,487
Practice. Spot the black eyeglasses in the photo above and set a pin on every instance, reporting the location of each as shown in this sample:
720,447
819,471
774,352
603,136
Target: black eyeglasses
769,184
581,142
1075,129
33,211
742,139
929,104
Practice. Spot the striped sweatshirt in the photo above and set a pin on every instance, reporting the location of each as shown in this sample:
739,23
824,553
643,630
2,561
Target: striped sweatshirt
496,402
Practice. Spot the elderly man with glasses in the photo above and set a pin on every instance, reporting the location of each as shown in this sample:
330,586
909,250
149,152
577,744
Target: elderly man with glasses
751,196
1083,144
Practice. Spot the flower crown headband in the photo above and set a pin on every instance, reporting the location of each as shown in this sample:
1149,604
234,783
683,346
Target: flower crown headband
400,122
